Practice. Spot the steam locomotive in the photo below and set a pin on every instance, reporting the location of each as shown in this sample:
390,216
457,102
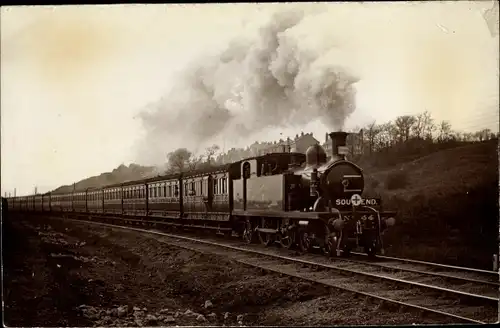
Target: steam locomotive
296,200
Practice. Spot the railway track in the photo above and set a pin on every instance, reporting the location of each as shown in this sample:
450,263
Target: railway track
469,295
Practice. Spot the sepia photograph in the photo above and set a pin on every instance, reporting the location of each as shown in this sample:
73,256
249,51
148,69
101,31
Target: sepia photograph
250,164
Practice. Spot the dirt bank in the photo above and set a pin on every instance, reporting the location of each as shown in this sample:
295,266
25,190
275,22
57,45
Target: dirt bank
72,274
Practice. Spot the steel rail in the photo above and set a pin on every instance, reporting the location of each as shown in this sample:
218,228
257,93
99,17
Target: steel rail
434,264
309,263
429,273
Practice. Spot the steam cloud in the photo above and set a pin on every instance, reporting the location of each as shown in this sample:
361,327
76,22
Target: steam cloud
270,80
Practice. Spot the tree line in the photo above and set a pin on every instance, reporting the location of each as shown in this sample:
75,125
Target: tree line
422,127
404,134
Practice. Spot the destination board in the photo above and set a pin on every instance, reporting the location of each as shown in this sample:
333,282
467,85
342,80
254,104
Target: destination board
357,200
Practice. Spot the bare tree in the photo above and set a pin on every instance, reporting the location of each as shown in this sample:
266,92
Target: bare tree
423,125
371,132
210,152
404,125
386,137
194,162
483,135
178,159
444,131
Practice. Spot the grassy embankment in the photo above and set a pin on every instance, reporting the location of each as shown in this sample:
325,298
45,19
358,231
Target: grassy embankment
447,203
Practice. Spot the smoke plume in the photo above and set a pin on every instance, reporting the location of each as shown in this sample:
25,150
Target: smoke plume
268,79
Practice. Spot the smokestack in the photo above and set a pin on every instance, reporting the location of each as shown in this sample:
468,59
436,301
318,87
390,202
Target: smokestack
338,140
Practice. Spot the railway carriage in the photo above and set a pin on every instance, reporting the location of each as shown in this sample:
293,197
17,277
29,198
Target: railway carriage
134,199
38,203
94,200
55,203
164,197
112,203
67,202
46,202
79,200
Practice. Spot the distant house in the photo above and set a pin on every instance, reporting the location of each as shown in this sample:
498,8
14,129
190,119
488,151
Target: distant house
298,144
303,142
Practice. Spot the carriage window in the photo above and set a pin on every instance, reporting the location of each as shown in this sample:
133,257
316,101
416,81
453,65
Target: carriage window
224,187
215,186
158,191
169,191
150,191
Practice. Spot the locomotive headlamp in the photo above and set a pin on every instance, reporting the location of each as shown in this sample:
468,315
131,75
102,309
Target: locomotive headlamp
390,222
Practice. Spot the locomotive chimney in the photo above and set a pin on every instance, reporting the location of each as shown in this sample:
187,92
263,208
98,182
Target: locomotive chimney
338,140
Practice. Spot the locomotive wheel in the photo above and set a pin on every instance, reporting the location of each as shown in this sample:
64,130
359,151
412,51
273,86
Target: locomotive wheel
346,252
304,241
329,243
248,233
370,251
266,239
287,240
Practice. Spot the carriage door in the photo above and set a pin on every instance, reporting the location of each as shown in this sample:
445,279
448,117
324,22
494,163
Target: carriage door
208,192
246,176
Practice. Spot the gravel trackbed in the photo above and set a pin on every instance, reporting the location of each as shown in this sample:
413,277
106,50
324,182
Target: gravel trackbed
60,273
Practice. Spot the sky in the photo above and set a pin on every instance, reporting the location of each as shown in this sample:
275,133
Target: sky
87,88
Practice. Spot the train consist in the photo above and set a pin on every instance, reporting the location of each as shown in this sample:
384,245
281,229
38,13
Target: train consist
294,199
